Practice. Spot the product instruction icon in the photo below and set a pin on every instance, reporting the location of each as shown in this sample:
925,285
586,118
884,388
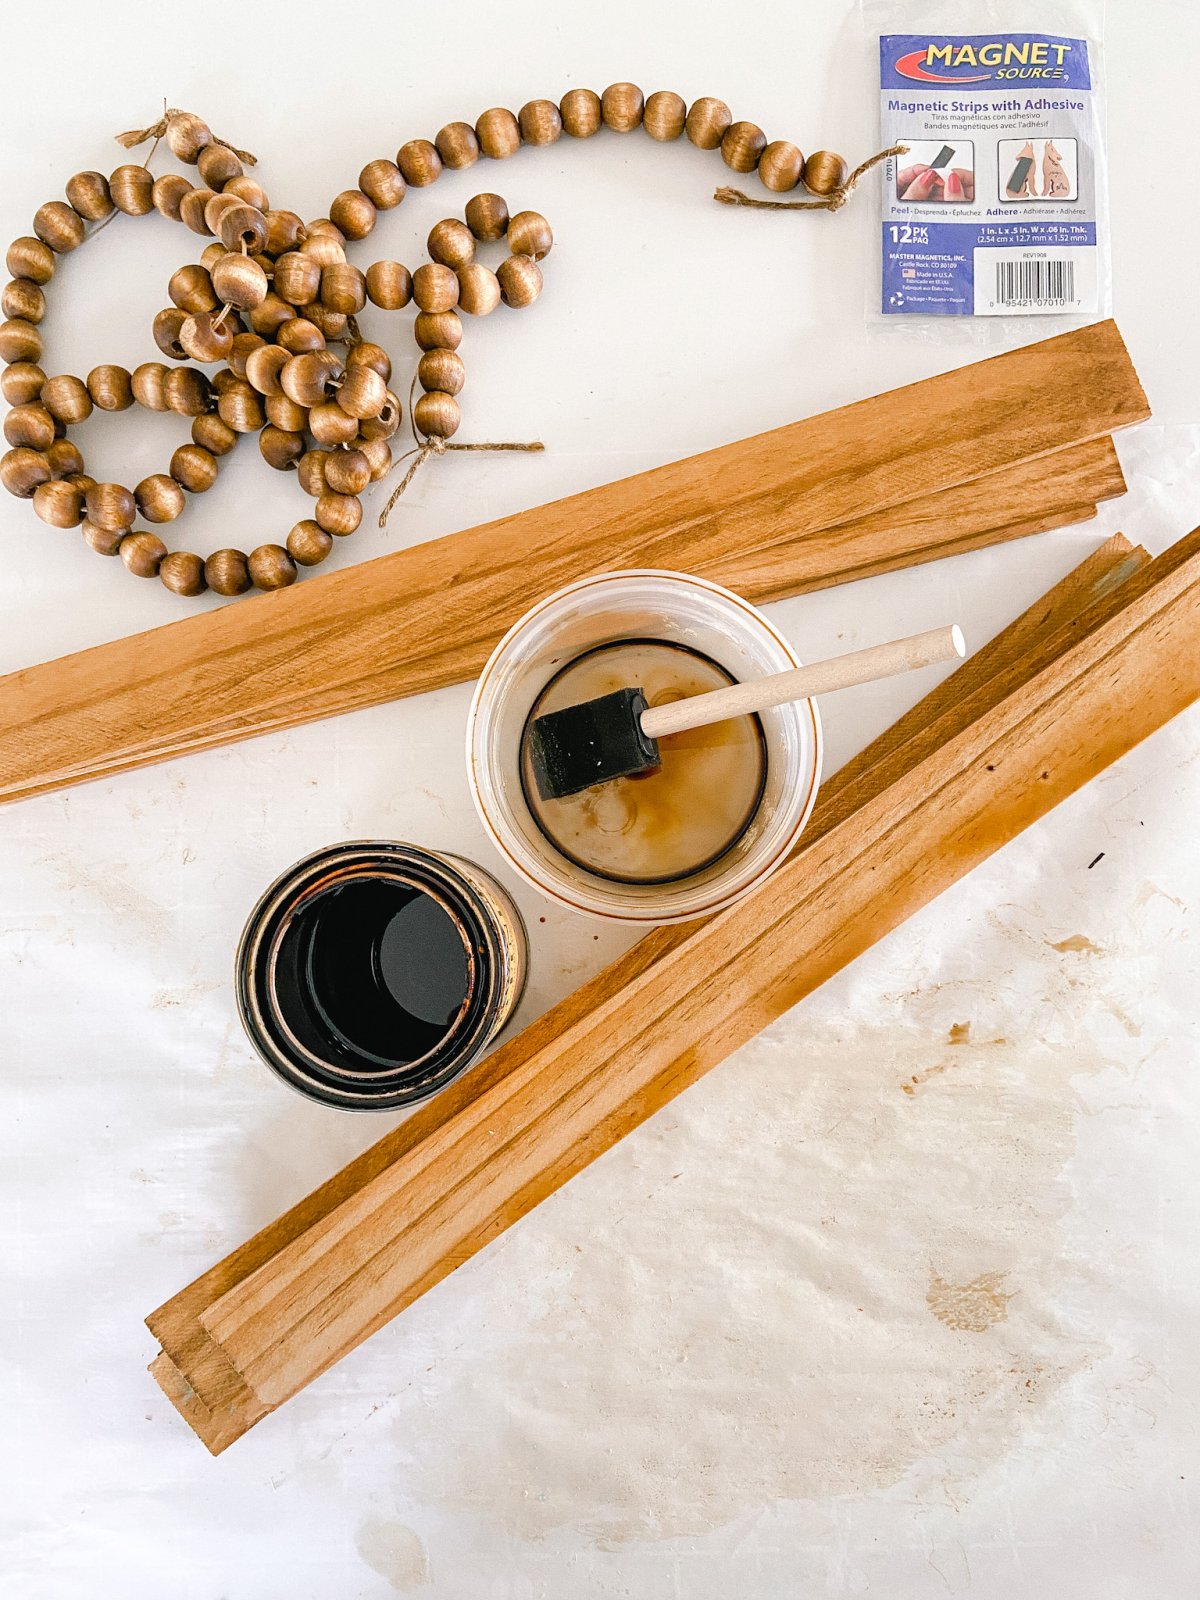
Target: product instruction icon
1037,169
937,172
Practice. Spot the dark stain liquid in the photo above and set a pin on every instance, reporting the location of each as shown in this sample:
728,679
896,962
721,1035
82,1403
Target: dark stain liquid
671,823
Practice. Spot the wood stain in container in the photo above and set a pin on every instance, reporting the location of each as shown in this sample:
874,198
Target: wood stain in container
667,824
369,975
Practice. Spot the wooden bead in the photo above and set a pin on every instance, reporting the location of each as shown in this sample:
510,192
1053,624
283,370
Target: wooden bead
824,171
20,341
435,288
79,480
187,135
332,324
240,281
191,289
111,505
270,314
204,338
478,289
280,449
348,471
438,330
132,190
104,541
330,425
88,194
149,385
441,369
541,122
24,300
308,379
110,387
142,553
30,258
366,354
209,256
379,457
389,285
211,434
188,391
65,460
60,226
22,471
499,133
664,116
343,288
520,280
168,195
243,347
22,382
339,514
67,399
285,413
487,217
457,145
285,231
242,225
780,166
308,544
529,234
310,471
226,572
742,145
59,504
353,213
183,573
419,162
621,106
264,365
323,247
193,208
383,184
251,192
159,498
271,567
30,425
166,328
240,407
297,277
451,243
436,415
194,468
707,122
327,227
385,424
362,392
296,336
217,164
581,113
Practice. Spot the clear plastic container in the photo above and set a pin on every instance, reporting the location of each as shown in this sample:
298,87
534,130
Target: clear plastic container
644,604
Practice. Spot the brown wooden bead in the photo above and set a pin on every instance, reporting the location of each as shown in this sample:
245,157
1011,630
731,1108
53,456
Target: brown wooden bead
379,457
211,434
223,380
529,234
308,379
280,449
621,106
240,407
168,194
217,164
520,280
194,468
338,514
420,163
541,122
22,471
308,544
347,471
191,289
824,171
780,166
192,209
20,341
142,553
252,192
707,122
343,288
457,145
159,498
183,573
331,324
111,505
149,384
435,287
187,135
67,399
487,217
271,567
243,347
389,285
385,424
298,335
285,413
270,314
499,133
323,247
88,194
209,256
24,300
60,226
451,243
366,354
434,330
310,471
742,145
326,226
166,328
30,425
104,541
59,504
264,365
297,277
188,391
330,425
22,382
436,415
79,480
383,184
226,572
362,392
285,231
581,113
30,258
204,338
353,213
664,116
110,387
240,281
132,190
441,369
242,225
65,460
478,289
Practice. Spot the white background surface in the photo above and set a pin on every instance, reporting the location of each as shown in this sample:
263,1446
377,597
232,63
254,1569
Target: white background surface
713,1364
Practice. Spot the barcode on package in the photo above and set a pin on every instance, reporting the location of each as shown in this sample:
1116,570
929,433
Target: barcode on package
1034,282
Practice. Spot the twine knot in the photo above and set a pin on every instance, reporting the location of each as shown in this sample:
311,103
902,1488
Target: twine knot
156,130
834,201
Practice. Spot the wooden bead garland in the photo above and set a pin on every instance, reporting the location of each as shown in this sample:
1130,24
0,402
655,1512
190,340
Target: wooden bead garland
272,293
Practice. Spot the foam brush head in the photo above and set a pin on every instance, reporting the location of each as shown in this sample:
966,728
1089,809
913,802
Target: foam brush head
595,742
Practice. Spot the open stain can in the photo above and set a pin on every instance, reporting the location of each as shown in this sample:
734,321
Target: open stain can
371,974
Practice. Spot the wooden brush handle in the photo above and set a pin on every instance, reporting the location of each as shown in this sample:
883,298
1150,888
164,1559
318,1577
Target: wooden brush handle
821,677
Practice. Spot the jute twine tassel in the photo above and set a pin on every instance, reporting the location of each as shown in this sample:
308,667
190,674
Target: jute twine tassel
155,131
829,202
